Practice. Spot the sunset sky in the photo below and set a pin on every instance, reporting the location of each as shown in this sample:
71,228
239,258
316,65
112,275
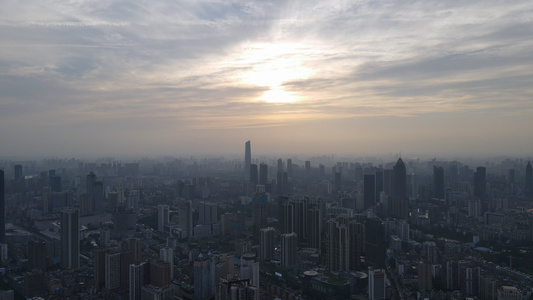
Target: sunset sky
313,77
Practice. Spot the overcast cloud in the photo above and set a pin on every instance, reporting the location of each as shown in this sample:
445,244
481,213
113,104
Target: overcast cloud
170,77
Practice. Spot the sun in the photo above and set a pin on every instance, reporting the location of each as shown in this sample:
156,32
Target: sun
272,65
278,95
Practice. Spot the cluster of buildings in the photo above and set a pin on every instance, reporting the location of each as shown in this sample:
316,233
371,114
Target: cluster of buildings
219,228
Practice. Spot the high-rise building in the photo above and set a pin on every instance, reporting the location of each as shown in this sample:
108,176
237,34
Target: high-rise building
160,273
263,174
2,209
185,217
399,180
379,184
247,157
375,247
18,172
369,191
267,243
529,179
138,277
249,268
204,277
260,204
338,244
55,183
254,176
425,278
429,251
208,213
70,239
314,230
480,187
167,254
289,246
162,217
289,167
438,182
307,169
112,271
37,255
376,284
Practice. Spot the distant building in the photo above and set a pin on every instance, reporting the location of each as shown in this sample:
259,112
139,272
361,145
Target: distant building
289,245
267,243
70,239
162,217
376,284
438,182
247,157
204,277
529,179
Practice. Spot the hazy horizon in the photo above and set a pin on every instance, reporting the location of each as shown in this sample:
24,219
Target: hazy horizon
361,78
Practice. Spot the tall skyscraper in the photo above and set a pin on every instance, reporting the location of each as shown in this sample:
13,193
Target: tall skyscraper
289,167
247,158
138,277
379,184
289,246
480,187
167,254
70,239
162,217
260,204
369,190
263,174
204,277
376,284
37,255
2,209
399,180
438,182
18,173
254,178
375,247
267,243
529,179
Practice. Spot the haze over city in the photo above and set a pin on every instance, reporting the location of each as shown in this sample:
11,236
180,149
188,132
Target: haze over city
367,77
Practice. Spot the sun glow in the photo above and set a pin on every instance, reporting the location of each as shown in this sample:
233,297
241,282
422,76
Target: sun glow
274,65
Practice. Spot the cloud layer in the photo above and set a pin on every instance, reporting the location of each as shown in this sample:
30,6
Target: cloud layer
164,77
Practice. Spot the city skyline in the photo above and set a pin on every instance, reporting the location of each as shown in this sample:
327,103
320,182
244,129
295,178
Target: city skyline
365,78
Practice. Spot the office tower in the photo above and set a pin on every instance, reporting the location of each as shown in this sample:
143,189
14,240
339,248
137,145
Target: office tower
260,205
162,217
289,167
18,173
254,178
134,247
438,182
338,244
285,183
99,268
37,255
369,191
167,254
91,179
112,271
138,277
2,209
289,245
376,284
55,183
399,180
379,184
98,196
314,223
388,180
70,239
375,246
480,187
247,157
307,169
429,251
160,273
266,252
403,231
529,179
357,243
280,165
263,174
204,277
185,217
208,213
322,170
249,268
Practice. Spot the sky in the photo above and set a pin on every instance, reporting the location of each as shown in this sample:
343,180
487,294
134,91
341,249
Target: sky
105,77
